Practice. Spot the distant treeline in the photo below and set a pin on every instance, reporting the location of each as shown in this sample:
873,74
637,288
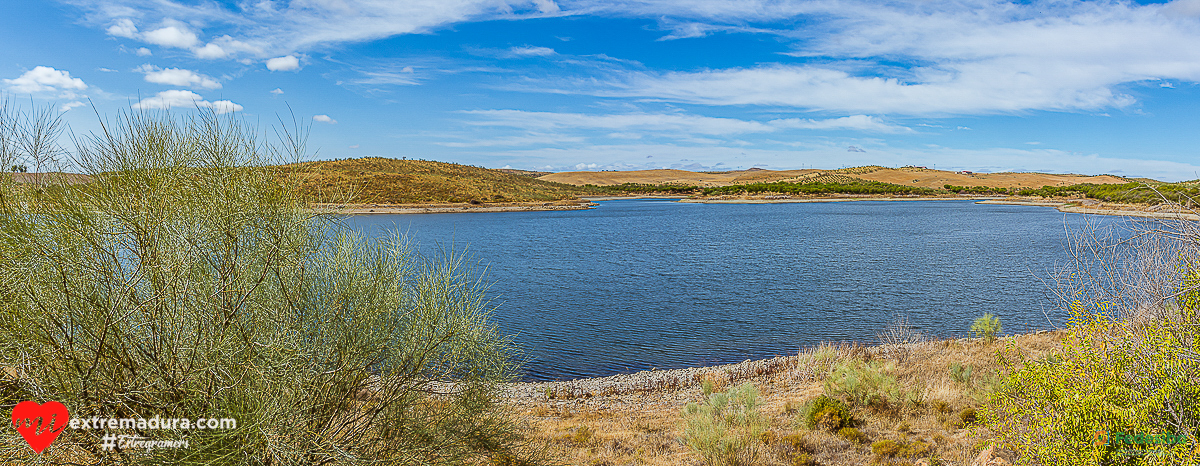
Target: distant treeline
641,188
863,187
977,190
1125,193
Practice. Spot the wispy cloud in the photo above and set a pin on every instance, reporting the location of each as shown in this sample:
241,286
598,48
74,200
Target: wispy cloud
975,57
628,124
530,51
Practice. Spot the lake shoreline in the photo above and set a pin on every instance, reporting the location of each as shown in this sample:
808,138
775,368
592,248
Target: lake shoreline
455,208
671,380
1075,206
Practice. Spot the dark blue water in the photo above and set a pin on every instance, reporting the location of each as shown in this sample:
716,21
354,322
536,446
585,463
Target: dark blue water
640,284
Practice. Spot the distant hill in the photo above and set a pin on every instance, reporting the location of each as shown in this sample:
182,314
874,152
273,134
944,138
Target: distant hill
50,178
908,176
678,177
389,181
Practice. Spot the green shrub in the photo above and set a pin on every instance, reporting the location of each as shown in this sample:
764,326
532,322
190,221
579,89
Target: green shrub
184,280
897,448
727,428
827,414
1126,369
867,384
804,459
987,327
1105,380
582,435
851,434
967,416
960,373
885,448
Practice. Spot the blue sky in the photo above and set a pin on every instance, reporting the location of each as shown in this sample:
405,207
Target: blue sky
1054,86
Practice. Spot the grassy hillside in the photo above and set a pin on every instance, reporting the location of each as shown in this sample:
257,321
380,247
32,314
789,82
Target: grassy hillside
390,181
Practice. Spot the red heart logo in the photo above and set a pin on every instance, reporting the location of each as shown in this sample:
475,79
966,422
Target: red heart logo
39,434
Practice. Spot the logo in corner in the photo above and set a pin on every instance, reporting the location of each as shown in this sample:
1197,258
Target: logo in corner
40,424
1101,437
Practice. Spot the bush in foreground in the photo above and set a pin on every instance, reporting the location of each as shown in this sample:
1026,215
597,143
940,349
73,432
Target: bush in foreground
868,384
826,413
185,281
1125,378
727,428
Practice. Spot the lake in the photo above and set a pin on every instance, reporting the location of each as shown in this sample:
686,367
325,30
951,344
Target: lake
639,284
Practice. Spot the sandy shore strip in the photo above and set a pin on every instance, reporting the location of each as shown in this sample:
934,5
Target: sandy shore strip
1096,208
790,200
618,198
372,209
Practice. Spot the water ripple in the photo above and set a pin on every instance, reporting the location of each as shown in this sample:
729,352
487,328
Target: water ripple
640,284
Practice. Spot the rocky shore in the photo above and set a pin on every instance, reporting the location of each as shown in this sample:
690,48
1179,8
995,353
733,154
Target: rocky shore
369,209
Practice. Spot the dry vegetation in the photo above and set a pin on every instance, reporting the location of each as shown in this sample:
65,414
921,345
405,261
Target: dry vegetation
942,383
390,181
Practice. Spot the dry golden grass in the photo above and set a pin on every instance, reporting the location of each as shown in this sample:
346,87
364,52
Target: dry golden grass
647,428
389,181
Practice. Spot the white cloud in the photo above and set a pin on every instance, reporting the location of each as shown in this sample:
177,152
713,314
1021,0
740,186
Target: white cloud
123,28
225,106
177,36
324,119
184,99
69,105
211,52
226,46
178,77
920,58
46,79
1185,8
354,146
929,58
143,52
992,91
285,63
277,91
280,28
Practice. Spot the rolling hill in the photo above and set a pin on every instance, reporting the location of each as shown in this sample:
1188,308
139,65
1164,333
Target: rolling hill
390,181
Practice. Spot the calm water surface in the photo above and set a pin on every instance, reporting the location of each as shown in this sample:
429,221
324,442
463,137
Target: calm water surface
640,284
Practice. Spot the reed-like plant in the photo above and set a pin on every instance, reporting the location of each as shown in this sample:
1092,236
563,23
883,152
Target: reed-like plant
727,428
186,280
